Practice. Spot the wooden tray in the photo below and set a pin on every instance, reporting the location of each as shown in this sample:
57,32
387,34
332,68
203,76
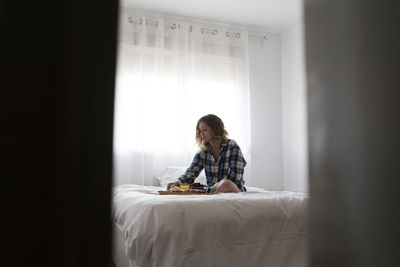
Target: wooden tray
182,193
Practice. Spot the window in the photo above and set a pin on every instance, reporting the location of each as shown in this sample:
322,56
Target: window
167,78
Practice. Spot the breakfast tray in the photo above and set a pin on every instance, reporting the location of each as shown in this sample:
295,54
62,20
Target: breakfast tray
182,193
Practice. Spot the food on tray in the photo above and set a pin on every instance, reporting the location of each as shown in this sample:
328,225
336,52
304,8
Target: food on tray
174,188
184,187
195,188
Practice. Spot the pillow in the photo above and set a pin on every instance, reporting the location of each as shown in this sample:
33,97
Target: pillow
171,174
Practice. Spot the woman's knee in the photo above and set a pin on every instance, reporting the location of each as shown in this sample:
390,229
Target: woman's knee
227,186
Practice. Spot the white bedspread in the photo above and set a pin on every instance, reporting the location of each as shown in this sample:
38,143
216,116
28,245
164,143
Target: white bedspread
254,228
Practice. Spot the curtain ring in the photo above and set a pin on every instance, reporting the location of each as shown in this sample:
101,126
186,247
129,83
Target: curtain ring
214,32
237,35
130,19
173,26
227,34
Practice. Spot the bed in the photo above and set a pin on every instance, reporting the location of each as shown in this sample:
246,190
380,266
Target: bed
253,228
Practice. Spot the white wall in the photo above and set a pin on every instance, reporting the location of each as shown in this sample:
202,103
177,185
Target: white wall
266,113
295,153
279,155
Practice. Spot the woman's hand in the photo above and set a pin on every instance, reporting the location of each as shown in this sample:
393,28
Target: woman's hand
172,183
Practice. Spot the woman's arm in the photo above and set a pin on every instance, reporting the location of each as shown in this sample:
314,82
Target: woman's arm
194,170
236,164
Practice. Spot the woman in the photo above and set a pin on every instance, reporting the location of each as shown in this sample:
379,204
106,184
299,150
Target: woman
221,157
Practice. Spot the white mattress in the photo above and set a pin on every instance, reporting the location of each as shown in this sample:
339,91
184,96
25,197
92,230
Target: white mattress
254,228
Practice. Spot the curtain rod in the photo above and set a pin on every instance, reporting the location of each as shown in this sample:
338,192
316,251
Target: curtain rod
173,26
264,37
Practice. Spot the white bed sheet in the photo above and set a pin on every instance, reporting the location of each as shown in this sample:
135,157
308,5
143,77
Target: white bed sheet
254,228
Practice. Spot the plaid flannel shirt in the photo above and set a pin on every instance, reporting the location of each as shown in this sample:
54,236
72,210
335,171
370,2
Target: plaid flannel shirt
230,165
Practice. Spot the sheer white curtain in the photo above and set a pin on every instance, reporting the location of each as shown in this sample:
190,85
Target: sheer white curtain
171,72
